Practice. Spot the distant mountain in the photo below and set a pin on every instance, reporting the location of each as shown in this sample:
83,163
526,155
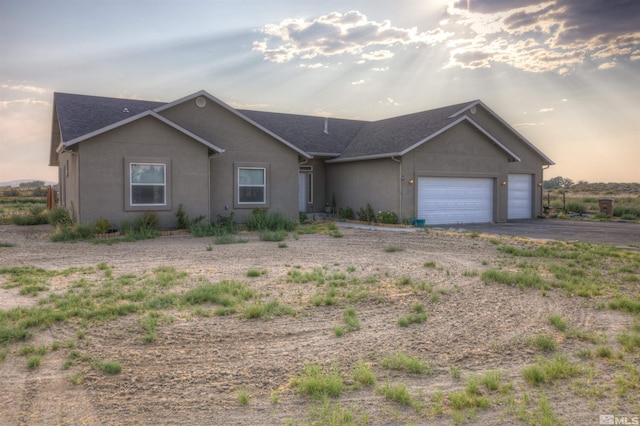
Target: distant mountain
16,183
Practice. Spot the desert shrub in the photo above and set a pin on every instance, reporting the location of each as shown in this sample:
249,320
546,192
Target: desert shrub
72,233
366,214
40,191
35,216
387,217
261,220
627,212
102,226
150,220
140,228
11,192
182,221
59,216
273,236
576,207
345,213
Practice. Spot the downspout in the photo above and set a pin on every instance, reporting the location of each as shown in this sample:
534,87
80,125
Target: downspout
393,158
544,167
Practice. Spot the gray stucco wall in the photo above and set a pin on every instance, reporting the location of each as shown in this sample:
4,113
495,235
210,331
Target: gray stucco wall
357,183
103,179
69,196
244,145
461,151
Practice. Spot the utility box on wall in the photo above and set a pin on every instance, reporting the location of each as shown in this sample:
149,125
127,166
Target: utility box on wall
606,206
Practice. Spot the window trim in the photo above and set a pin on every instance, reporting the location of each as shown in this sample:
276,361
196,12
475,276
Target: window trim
128,196
236,187
309,188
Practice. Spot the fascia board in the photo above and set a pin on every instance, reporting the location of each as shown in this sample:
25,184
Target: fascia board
229,108
138,117
363,158
324,154
107,128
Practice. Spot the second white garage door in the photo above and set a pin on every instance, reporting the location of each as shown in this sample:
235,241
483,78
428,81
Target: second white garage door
443,200
520,196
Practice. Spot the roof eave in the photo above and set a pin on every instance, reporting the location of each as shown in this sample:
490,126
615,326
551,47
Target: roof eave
324,154
364,157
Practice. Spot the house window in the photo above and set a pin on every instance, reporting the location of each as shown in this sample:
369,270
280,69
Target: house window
148,184
252,185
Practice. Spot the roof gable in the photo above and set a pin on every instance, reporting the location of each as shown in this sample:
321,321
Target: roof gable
392,136
473,105
236,112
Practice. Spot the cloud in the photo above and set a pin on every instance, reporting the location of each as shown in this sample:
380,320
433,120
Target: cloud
26,89
349,33
545,110
553,35
606,65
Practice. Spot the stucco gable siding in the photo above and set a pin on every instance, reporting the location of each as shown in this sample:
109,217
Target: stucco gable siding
102,174
506,133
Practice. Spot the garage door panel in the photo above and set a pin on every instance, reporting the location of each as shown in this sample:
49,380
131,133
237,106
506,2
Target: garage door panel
520,195
455,200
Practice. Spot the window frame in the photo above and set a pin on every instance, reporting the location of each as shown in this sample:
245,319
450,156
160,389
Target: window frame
129,185
238,167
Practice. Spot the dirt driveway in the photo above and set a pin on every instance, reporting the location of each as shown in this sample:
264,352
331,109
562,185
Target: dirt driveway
616,233
198,363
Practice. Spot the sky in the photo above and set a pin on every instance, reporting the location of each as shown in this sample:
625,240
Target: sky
564,73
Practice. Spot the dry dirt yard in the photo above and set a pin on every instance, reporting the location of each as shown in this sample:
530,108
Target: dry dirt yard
199,365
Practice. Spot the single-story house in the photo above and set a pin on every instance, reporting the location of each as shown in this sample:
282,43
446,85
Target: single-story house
118,158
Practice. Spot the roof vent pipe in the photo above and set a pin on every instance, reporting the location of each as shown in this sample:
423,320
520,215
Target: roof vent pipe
326,125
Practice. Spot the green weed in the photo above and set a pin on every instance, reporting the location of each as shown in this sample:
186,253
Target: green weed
558,322
362,374
244,397
408,363
318,383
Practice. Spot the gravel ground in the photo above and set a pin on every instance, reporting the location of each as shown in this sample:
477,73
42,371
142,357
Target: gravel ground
194,369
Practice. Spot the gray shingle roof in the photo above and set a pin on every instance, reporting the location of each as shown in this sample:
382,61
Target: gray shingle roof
394,135
79,115
308,132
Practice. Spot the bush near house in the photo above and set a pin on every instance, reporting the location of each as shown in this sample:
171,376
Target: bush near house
387,217
366,214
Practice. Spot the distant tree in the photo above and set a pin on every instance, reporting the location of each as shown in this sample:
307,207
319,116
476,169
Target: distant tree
40,191
11,192
558,182
32,184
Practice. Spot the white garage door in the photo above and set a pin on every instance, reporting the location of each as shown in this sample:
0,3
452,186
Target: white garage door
455,200
520,196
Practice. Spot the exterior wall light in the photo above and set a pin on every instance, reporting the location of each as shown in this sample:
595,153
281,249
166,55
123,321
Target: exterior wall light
411,181
540,184
503,183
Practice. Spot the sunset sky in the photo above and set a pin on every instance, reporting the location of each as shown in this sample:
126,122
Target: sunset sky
564,73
